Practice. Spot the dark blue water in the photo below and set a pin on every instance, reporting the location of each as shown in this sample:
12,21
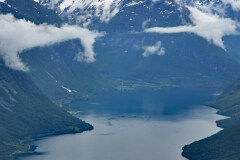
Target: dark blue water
134,125
169,101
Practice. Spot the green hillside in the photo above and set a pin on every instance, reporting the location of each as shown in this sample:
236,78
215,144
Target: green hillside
27,114
226,144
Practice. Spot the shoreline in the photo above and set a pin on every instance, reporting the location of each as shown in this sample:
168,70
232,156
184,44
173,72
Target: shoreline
213,122
217,124
31,151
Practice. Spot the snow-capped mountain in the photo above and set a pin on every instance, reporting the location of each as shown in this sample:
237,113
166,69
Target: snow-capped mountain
83,11
137,16
132,45
211,20
162,42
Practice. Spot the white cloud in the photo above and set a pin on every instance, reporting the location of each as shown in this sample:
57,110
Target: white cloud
156,49
209,26
19,35
234,3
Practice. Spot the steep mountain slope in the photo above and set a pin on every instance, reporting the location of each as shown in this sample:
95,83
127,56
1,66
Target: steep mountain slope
224,145
228,102
61,77
27,114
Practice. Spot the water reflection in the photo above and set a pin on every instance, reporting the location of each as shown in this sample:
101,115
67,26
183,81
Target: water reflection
168,101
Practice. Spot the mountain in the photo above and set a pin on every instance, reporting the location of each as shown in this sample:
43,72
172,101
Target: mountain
122,56
29,10
144,45
25,112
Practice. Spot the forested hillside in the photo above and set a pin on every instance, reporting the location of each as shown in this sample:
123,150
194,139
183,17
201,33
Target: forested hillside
25,112
225,145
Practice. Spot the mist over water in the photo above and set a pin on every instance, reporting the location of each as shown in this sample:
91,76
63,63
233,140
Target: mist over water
143,125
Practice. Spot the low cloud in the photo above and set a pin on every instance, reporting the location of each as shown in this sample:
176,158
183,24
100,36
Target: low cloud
207,25
235,4
155,49
19,35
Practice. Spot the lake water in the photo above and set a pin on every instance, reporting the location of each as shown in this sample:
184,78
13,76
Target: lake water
134,125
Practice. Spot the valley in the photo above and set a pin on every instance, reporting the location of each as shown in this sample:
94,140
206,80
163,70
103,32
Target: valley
141,71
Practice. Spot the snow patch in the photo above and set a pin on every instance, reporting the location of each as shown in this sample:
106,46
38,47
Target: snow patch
134,3
67,89
82,10
65,4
